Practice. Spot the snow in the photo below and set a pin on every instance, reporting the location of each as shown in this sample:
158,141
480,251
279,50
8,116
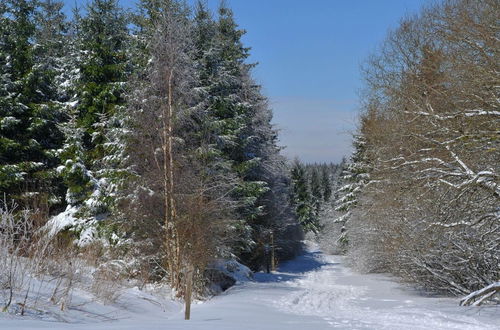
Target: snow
67,220
232,268
348,300
60,168
9,121
481,294
315,291
62,221
72,104
87,235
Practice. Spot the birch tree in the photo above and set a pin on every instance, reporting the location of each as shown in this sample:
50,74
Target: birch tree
180,196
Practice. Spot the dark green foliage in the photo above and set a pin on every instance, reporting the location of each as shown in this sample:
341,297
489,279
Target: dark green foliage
236,123
92,170
236,127
29,135
302,199
68,106
100,87
316,191
326,184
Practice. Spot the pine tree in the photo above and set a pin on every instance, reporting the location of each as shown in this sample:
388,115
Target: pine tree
316,193
234,114
239,125
99,100
51,65
51,38
302,200
78,179
90,74
220,58
326,184
29,136
181,180
354,177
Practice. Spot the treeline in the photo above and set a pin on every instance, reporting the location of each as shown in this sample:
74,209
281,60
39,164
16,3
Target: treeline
143,131
311,194
421,192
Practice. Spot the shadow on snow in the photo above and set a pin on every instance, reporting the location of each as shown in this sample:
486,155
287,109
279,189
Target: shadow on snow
294,269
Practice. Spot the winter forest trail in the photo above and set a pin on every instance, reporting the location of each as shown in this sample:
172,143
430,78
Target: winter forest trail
315,291
349,300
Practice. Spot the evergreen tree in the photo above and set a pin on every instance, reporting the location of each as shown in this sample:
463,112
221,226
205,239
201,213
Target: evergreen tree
237,123
302,200
315,187
326,184
99,101
178,168
51,38
78,178
354,177
69,79
234,112
29,136
220,57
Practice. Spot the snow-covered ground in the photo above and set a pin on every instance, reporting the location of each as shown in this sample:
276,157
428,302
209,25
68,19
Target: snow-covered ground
314,291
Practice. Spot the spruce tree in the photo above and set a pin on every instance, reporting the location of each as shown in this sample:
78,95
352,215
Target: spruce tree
302,200
316,191
220,57
29,136
234,113
100,45
237,124
91,75
246,138
326,184
355,175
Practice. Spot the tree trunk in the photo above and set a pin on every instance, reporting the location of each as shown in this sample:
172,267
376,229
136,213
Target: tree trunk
171,239
273,260
188,292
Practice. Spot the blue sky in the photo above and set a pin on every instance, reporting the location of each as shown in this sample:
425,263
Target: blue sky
309,55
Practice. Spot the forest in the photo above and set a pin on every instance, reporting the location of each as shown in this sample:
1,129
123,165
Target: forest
136,145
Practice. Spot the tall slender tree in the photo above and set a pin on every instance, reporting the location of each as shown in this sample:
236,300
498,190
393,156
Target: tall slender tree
315,187
99,99
302,200
354,177
326,183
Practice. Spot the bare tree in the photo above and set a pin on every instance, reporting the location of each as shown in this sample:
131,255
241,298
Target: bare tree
432,205
180,188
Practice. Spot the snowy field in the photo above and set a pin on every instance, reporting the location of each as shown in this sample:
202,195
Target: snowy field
314,291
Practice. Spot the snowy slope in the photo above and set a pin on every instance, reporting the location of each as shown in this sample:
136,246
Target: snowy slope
315,291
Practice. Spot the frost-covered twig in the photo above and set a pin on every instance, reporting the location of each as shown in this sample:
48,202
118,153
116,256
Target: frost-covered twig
476,298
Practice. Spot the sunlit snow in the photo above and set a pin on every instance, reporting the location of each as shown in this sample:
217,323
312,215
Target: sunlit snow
315,291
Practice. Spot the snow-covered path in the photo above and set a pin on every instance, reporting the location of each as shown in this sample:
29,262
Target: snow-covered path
314,291
348,300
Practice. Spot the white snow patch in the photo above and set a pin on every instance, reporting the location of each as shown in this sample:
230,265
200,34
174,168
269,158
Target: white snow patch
234,269
349,300
87,235
312,292
62,221
72,104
